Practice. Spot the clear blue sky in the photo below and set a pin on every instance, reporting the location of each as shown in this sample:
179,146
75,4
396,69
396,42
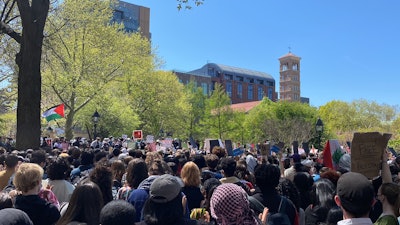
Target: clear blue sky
349,48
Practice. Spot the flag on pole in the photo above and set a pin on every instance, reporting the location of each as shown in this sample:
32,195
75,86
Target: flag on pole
55,112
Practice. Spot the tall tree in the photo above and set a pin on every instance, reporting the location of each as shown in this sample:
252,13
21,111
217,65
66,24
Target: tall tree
343,118
158,99
85,54
33,16
282,122
218,115
196,103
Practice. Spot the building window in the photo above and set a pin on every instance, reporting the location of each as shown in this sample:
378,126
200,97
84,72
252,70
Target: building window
270,83
239,78
250,92
295,67
204,86
180,81
284,67
211,71
228,77
239,90
250,80
118,15
270,93
260,93
229,88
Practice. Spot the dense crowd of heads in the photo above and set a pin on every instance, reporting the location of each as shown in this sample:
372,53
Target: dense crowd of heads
112,184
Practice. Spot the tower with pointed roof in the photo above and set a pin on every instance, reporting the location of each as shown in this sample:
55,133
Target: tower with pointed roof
289,79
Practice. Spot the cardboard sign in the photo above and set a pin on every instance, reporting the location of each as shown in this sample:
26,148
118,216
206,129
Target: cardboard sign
265,149
366,152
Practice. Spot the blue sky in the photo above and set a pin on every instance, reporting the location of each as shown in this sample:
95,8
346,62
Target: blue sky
349,48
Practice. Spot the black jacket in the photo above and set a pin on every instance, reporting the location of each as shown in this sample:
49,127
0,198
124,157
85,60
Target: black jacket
38,210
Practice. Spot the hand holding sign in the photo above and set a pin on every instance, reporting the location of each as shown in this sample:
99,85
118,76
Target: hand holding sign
366,152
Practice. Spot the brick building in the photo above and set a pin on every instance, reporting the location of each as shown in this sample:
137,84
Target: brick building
241,85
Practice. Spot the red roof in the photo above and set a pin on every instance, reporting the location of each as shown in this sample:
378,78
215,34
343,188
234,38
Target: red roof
245,106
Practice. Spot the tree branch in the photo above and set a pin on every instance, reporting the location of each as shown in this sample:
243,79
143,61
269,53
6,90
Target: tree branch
6,29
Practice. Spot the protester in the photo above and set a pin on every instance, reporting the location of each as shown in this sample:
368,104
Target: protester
190,176
389,196
136,173
11,163
117,170
211,171
85,205
117,212
5,201
165,205
304,182
11,216
85,167
267,179
355,196
28,180
102,176
228,167
230,206
322,200
139,196
57,172
286,188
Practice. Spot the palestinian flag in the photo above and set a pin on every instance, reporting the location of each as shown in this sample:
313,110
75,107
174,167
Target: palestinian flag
55,112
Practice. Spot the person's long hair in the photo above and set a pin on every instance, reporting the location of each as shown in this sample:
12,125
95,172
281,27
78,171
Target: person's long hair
190,174
163,213
136,172
102,176
85,205
322,198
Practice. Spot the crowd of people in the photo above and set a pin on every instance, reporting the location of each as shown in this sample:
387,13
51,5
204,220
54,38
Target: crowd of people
105,182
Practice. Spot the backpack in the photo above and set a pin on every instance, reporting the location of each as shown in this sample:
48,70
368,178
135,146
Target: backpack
280,217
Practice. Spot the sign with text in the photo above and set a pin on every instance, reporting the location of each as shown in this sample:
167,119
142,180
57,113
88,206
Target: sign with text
366,152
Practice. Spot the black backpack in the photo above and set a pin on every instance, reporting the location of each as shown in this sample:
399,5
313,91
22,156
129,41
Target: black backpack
278,218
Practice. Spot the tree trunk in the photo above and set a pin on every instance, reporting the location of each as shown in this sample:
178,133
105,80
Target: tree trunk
29,77
68,125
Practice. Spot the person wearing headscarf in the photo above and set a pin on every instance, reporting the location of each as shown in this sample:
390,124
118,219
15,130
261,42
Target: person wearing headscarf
230,206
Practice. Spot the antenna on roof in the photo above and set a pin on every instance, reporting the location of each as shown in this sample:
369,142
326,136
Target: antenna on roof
290,49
